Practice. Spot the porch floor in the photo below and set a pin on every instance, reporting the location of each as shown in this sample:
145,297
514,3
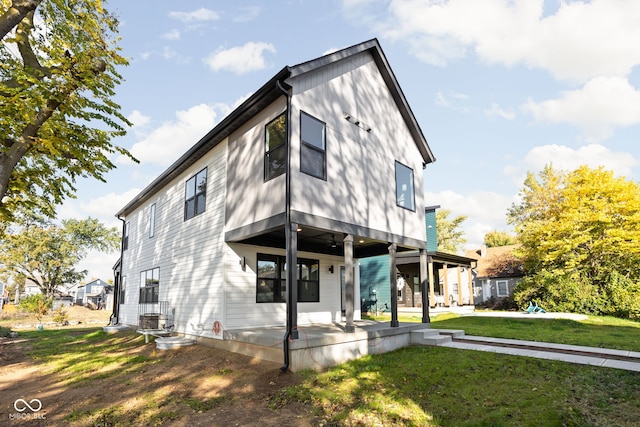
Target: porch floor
322,345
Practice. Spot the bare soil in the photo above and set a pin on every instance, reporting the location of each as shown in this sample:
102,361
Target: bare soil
191,386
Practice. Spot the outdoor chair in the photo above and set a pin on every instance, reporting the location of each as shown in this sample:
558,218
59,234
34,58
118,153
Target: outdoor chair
533,308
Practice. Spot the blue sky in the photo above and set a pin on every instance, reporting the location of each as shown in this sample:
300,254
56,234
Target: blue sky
498,87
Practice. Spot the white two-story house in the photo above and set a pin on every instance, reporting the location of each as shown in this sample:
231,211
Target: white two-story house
319,167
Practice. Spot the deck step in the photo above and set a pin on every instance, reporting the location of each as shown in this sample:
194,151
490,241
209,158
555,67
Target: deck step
454,333
170,343
429,337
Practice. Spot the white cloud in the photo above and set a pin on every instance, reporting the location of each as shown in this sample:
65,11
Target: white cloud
597,108
240,59
166,143
199,15
497,111
578,41
138,119
172,35
247,14
567,158
452,100
103,208
485,211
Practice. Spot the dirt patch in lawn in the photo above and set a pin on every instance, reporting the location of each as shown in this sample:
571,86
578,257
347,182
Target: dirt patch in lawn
191,386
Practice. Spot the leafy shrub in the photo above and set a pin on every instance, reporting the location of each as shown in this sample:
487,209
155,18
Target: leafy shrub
37,304
618,296
504,304
60,317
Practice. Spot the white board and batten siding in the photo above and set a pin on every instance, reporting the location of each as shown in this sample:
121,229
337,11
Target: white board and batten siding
189,254
360,186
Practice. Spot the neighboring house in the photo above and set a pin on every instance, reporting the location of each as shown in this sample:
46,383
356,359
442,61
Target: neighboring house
448,275
96,294
497,272
4,295
319,167
30,288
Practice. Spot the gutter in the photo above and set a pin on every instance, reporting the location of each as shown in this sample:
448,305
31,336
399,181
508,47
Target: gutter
117,283
290,333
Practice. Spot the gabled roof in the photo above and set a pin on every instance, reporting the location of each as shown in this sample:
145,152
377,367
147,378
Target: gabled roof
267,94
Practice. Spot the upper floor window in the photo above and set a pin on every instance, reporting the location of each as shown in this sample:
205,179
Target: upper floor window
405,194
275,147
195,194
313,159
152,221
125,237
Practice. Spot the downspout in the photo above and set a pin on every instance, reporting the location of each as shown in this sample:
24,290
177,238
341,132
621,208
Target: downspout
115,313
290,333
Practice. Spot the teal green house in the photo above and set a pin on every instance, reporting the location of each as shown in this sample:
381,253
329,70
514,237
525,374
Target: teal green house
450,276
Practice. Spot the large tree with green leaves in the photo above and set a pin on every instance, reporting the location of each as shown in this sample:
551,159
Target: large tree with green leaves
497,238
58,61
450,236
48,254
580,237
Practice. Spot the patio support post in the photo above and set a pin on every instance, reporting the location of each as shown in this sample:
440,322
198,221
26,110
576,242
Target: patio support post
349,283
459,285
424,279
470,281
393,281
292,281
445,273
432,291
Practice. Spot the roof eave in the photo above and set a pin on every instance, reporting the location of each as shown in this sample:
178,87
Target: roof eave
260,99
373,46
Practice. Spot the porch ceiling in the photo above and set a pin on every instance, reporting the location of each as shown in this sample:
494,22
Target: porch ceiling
324,242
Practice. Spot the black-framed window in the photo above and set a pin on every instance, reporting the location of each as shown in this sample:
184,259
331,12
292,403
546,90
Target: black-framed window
152,221
123,289
149,285
313,153
125,237
195,194
405,190
275,147
272,278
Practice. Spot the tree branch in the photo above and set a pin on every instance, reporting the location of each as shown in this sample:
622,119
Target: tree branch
16,12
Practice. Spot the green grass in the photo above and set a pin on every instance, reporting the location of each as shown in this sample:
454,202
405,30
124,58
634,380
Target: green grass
88,353
438,386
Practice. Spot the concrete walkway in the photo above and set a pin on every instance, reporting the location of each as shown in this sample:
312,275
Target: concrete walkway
595,356
609,358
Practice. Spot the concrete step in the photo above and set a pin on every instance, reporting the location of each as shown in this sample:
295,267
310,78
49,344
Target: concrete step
429,337
454,333
112,329
170,343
